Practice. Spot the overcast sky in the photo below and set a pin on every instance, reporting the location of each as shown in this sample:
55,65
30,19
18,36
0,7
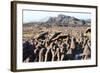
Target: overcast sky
36,16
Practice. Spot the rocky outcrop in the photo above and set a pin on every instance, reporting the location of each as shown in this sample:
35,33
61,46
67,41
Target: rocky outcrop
62,20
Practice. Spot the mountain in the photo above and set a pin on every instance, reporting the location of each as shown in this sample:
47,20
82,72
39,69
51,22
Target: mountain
62,20
67,21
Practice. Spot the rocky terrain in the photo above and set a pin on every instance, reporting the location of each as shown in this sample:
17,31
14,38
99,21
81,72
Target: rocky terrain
59,38
61,20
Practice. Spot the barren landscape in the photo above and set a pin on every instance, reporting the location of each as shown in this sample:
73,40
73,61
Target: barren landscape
57,39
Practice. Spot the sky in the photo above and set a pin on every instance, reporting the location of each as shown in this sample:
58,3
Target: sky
36,16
